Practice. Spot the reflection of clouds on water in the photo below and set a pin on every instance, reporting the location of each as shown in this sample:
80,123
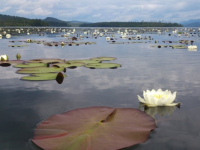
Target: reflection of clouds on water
143,67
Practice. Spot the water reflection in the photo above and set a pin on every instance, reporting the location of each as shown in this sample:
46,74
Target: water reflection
24,104
161,110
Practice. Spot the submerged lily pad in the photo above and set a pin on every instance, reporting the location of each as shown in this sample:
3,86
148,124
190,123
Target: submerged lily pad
40,70
104,58
94,128
102,65
28,65
86,61
42,76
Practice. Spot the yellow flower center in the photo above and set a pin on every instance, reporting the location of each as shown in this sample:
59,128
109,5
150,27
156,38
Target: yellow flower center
160,95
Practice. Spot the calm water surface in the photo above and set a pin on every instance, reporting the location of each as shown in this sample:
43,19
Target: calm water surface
23,104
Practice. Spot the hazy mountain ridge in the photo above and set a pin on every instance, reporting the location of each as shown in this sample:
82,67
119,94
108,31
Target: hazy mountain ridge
191,23
56,22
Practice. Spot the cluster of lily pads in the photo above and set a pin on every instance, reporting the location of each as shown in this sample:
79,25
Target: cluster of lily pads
62,43
50,69
95,128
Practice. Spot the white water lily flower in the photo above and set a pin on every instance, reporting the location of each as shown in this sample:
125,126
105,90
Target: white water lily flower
3,57
158,98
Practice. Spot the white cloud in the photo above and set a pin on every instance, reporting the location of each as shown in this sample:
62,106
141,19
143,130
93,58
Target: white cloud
102,10
97,15
4,9
40,11
22,12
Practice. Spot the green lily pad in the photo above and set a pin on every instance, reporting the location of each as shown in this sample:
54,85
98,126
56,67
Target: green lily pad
102,65
40,70
42,76
69,65
104,58
94,128
178,46
46,60
86,61
28,65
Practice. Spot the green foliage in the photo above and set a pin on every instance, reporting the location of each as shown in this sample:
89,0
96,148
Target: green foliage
41,76
53,22
102,65
130,24
6,20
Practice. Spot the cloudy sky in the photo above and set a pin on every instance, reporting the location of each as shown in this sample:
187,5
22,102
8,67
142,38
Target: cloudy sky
104,10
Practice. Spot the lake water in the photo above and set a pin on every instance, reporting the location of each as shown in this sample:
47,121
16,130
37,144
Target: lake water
23,104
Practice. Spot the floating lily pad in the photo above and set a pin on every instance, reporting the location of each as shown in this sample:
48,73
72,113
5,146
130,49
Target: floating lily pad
86,61
28,65
5,64
69,65
104,58
42,76
102,65
94,128
40,70
11,62
159,46
46,60
17,45
178,46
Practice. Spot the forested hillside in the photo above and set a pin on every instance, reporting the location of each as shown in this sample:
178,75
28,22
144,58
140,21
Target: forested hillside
6,20
130,24
54,22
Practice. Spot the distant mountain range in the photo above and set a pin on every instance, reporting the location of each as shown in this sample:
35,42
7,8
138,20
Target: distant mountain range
54,22
191,23
7,20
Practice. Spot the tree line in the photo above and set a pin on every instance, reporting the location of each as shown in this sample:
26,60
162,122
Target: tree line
131,24
6,20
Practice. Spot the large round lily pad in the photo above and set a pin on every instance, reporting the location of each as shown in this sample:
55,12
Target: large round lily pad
104,58
69,65
102,65
28,65
46,60
86,61
94,128
40,70
42,76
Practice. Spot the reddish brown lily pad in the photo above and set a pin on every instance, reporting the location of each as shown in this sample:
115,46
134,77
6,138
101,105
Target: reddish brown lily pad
12,62
94,128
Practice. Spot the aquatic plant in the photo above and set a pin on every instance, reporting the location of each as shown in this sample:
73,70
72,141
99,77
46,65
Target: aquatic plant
94,128
158,98
4,57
